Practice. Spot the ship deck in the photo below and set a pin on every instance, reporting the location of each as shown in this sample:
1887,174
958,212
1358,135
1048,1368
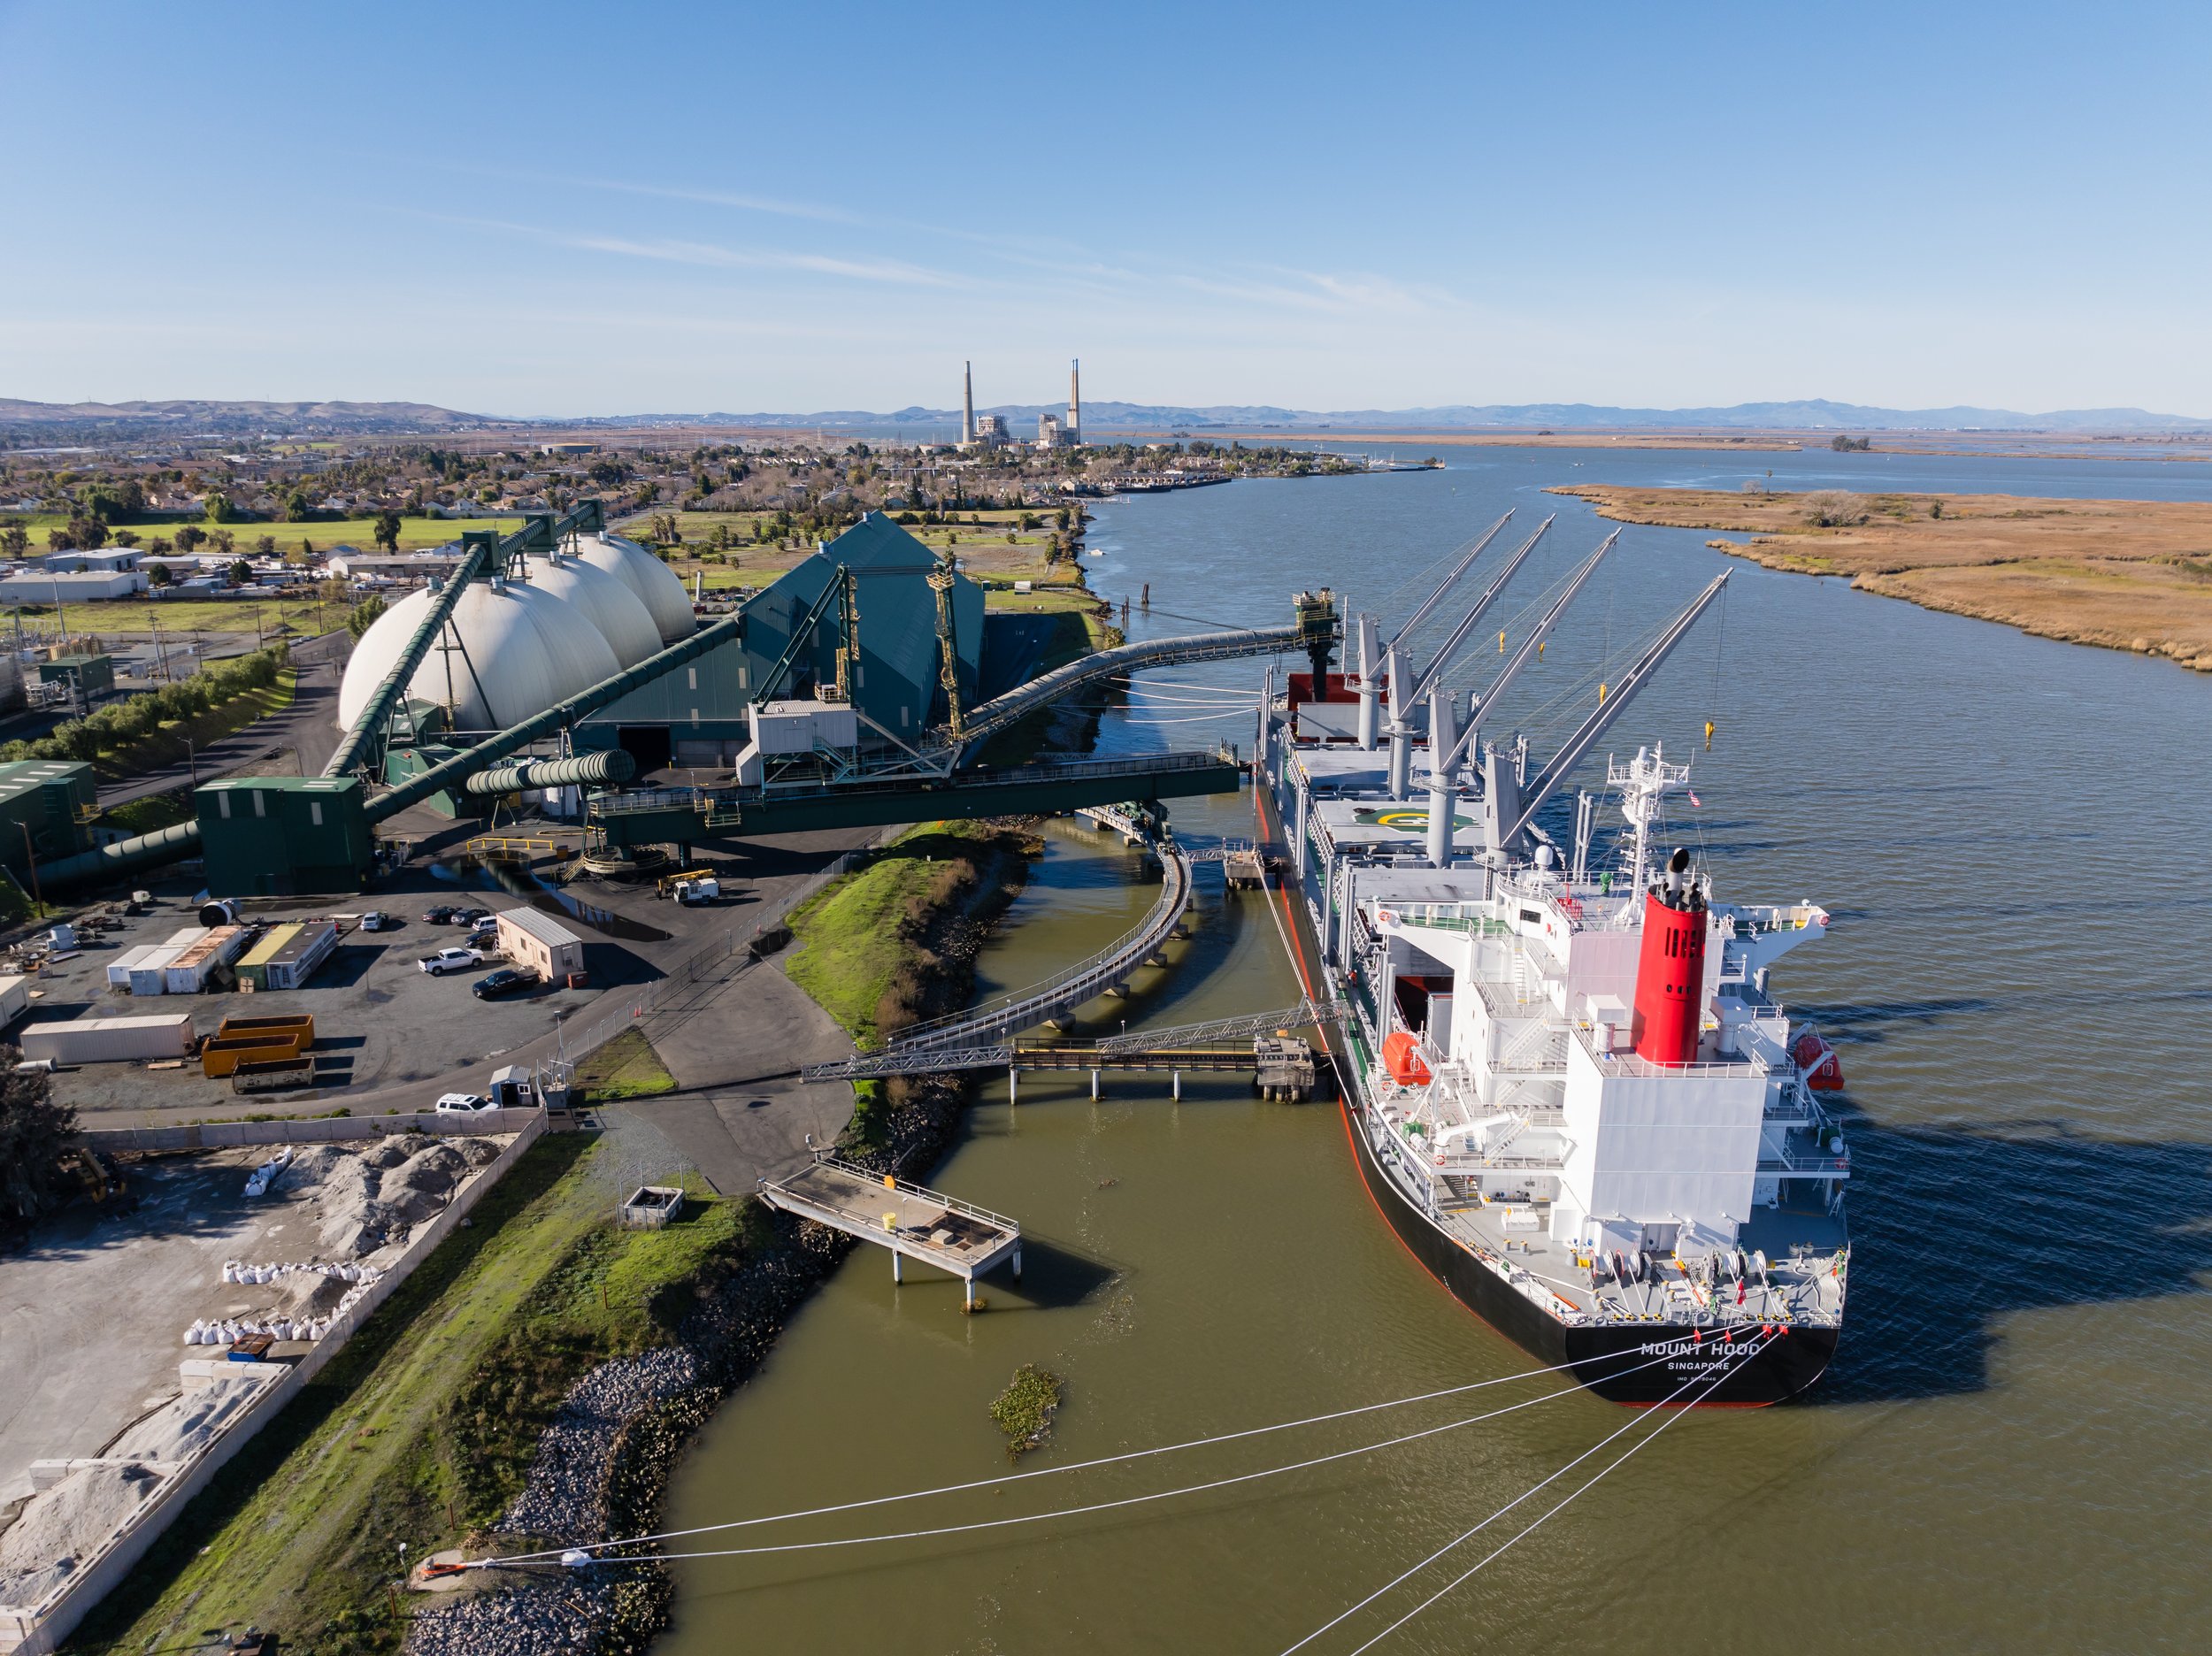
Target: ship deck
1513,1233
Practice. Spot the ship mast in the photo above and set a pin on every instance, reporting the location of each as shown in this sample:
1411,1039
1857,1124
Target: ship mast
1644,783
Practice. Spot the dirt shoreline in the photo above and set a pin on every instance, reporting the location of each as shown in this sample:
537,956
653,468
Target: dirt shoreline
2120,574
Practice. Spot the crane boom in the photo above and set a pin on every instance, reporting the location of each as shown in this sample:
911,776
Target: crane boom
1601,719
1467,622
1445,586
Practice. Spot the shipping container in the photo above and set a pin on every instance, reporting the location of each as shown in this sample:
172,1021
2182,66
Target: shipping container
254,967
297,1027
120,968
111,1040
217,946
151,975
221,1057
15,999
295,962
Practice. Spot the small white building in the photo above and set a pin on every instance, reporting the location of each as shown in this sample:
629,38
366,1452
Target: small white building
539,942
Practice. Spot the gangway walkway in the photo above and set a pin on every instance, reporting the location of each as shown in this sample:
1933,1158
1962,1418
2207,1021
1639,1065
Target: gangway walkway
991,1022
1258,1041
910,1220
1316,628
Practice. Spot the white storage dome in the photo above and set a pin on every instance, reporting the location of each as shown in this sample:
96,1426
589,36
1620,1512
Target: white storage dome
652,580
525,650
619,614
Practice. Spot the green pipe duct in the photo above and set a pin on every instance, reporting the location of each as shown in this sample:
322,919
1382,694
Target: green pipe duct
455,771
610,765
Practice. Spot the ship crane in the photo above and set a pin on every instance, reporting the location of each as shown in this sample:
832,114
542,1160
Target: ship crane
1440,773
1507,810
1387,656
1404,696
1439,717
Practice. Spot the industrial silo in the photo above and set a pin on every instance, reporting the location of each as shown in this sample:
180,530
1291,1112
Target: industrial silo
509,651
652,580
605,600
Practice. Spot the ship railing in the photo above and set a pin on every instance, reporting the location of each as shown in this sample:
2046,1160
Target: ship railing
1823,1164
1631,1063
1441,917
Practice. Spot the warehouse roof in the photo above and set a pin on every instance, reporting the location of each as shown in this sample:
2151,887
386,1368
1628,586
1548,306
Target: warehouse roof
24,776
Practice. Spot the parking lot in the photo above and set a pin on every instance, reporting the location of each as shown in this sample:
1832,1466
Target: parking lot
380,1023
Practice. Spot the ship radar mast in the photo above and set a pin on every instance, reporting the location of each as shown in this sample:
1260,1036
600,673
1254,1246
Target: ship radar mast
1644,782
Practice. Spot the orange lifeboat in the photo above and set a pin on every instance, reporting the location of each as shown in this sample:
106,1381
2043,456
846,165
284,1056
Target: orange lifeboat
1402,1057
1823,1070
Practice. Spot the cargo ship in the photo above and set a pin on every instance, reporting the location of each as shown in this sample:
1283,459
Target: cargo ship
1566,1082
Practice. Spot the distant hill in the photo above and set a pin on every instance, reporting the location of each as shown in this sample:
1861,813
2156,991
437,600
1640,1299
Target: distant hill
22,420
1813,415
181,417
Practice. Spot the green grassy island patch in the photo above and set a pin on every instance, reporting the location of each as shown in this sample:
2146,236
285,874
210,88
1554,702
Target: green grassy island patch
1023,1411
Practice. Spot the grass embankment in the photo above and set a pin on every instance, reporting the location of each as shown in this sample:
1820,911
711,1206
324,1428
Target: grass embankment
143,732
894,942
625,1067
421,1429
2124,574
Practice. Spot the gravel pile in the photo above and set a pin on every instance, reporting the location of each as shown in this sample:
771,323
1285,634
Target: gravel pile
528,1621
563,1495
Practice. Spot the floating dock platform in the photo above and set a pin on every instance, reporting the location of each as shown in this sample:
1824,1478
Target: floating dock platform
910,1220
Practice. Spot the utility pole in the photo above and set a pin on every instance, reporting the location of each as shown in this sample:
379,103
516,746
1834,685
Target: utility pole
31,856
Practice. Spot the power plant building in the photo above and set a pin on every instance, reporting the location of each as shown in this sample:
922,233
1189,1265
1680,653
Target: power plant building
990,431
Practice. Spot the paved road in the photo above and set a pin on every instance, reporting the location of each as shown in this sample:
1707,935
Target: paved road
735,1050
305,728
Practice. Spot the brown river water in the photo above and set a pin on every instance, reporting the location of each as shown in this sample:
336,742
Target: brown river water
2011,1450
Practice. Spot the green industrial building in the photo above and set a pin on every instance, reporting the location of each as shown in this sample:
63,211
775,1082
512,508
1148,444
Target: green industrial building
284,836
94,675
46,803
696,716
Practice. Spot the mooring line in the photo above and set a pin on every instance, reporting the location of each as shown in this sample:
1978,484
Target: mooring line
1726,1370
593,1552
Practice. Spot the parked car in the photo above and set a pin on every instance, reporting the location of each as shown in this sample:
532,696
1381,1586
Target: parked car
471,917
505,981
448,960
439,915
376,920
461,1103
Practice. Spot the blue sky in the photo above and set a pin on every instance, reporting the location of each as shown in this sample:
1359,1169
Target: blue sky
557,208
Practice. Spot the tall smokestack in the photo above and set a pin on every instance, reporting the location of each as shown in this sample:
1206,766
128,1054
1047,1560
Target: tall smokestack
967,404
1075,402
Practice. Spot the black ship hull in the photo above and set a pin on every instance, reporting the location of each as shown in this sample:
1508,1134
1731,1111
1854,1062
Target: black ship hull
1621,1363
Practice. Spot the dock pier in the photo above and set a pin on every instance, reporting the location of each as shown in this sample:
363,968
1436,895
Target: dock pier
910,1220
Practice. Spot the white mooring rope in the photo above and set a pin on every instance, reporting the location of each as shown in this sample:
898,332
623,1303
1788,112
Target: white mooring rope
1464,1536
595,1549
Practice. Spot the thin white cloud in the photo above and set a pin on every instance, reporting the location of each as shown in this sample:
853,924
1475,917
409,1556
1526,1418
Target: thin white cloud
672,251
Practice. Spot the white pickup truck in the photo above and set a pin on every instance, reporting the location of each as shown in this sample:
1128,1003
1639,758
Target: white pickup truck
448,960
